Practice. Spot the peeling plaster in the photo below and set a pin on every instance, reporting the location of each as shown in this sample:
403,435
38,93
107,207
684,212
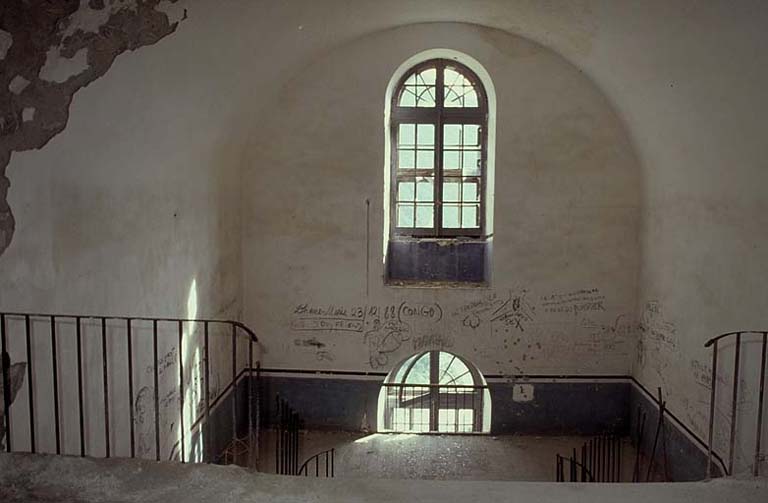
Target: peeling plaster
58,69
18,84
50,50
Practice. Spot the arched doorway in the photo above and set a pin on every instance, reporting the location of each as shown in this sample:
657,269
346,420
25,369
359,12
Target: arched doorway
434,392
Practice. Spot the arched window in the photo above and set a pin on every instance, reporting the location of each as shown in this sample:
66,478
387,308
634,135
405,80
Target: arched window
439,172
439,120
434,391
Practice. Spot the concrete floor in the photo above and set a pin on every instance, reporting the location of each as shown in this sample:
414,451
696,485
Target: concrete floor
439,457
38,478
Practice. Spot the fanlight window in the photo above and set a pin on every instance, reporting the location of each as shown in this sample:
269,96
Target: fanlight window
439,124
435,391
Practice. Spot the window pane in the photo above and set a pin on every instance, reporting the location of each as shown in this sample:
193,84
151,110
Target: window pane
405,191
426,135
406,159
406,135
425,215
471,135
458,90
405,215
469,217
452,135
419,90
451,159
451,191
471,162
425,189
419,373
425,159
470,191
451,216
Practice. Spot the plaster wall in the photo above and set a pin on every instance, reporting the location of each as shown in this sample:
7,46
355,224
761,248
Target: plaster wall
564,265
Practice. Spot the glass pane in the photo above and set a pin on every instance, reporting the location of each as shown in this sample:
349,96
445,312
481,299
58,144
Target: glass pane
469,192
451,191
419,90
426,135
451,216
452,135
425,216
471,162
406,135
425,189
419,373
425,159
406,159
471,135
458,91
403,367
451,368
405,191
452,159
405,215
469,217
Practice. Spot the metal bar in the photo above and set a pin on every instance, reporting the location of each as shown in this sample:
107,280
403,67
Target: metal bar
277,436
130,387
206,440
55,363
251,448
618,468
333,460
181,390
105,382
712,410
80,399
734,402
234,386
6,364
761,394
157,390
27,330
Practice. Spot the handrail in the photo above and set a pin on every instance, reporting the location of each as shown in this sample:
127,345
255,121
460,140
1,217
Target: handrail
126,331
329,467
734,398
721,336
136,318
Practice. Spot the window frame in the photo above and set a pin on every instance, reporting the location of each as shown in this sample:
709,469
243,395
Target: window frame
439,116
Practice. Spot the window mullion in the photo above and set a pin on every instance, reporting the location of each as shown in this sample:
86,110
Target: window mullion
439,82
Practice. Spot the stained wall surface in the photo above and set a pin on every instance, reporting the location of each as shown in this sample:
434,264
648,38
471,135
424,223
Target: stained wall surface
285,102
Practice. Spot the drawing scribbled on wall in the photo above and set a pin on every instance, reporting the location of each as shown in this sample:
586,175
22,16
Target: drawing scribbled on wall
574,302
511,309
384,329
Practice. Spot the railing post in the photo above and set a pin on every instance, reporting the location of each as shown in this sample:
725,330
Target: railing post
207,428
6,364
80,399
756,467
54,357
234,390
105,382
181,390
157,390
712,409
129,338
30,387
734,403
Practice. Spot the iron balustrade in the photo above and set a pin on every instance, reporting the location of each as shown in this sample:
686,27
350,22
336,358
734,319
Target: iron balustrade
287,447
110,328
434,408
714,344
328,457
600,461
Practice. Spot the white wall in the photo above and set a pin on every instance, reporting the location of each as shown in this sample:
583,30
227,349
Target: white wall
687,80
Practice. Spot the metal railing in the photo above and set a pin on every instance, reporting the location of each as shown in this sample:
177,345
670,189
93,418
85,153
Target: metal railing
327,456
714,343
600,461
433,408
287,427
46,339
